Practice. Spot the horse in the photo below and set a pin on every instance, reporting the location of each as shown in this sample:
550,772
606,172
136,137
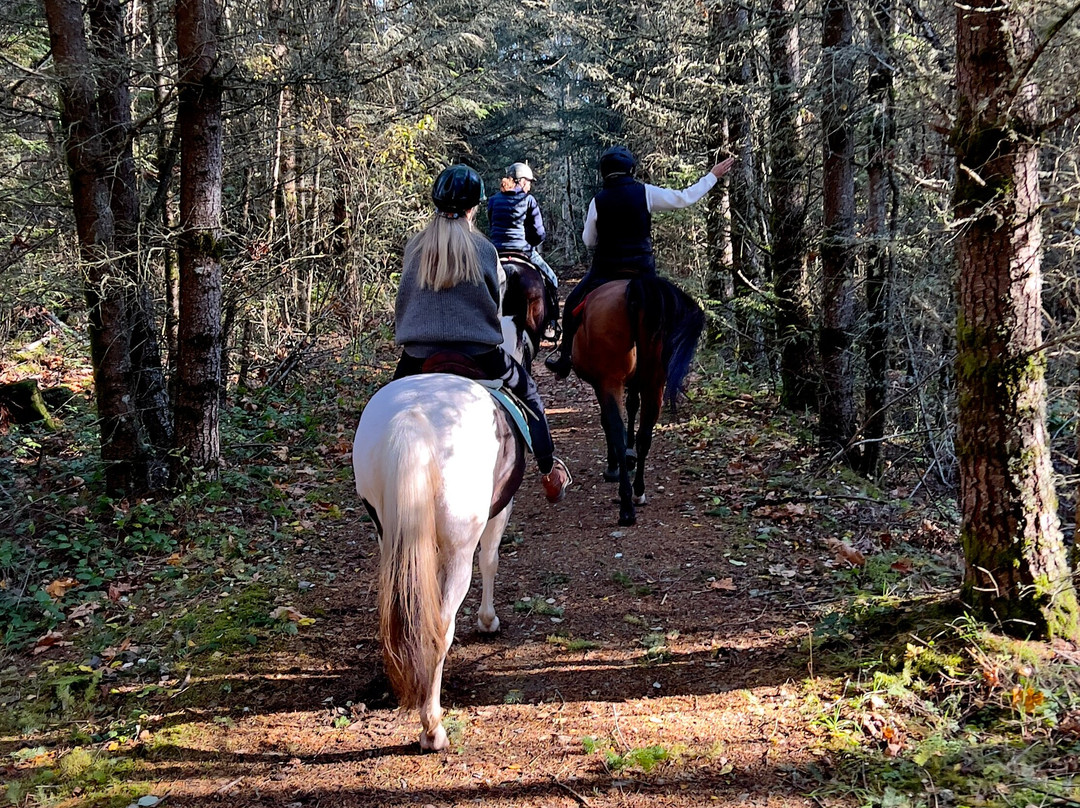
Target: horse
437,462
532,305
635,344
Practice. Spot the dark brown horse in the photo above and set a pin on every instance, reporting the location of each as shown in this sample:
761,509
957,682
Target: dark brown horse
527,295
634,346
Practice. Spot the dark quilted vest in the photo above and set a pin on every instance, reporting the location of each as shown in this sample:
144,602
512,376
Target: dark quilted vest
623,228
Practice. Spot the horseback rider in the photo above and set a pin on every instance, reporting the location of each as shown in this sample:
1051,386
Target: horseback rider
448,300
516,223
618,228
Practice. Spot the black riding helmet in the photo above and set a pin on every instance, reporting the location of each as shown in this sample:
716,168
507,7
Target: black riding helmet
617,160
457,189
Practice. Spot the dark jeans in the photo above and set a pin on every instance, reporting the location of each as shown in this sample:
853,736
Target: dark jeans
497,364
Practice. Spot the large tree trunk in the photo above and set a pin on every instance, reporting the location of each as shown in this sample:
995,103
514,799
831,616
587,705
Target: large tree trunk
879,222
114,104
199,337
1016,571
787,190
122,450
837,422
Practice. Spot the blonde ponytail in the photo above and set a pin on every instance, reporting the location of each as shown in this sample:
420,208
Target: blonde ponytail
448,253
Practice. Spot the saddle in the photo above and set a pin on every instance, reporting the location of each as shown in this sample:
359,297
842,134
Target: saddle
459,364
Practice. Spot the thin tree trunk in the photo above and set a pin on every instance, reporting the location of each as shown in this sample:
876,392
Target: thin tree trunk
1016,570
122,449
787,190
837,422
879,224
167,148
199,362
745,257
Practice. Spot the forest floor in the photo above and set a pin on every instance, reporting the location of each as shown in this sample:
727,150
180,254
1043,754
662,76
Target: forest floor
771,632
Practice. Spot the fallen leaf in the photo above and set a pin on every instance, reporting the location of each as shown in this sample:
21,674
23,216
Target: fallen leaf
58,588
47,641
904,566
724,585
845,552
83,609
290,614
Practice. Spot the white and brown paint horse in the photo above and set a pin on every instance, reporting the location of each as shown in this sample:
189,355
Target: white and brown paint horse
437,463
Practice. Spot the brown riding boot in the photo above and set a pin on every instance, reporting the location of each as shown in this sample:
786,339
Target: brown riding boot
556,481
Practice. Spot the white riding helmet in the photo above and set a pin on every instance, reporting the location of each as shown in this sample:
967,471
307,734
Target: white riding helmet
520,171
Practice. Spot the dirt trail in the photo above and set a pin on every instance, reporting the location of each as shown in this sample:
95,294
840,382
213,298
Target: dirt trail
629,671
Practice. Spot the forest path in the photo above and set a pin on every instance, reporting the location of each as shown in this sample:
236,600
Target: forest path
650,665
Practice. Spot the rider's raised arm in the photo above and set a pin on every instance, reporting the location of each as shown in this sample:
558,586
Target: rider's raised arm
673,199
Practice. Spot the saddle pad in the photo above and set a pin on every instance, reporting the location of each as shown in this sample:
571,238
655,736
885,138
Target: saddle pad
513,407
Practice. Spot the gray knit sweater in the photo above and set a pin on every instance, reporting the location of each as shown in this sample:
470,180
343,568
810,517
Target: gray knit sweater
464,317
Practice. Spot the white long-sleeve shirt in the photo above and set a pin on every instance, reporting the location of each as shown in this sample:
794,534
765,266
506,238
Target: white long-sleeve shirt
657,199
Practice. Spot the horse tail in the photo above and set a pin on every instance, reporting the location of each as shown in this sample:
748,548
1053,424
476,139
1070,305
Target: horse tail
671,315
410,598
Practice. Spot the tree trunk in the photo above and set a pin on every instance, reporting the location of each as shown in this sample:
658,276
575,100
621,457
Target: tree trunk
787,189
199,338
122,450
745,258
837,422
880,226
114,104
1016,571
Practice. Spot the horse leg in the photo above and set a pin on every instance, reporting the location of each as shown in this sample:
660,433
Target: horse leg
457,575
487,621
612,423
650,414
615,431
633,401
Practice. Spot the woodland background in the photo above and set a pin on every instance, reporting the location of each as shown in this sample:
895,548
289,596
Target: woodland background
827,262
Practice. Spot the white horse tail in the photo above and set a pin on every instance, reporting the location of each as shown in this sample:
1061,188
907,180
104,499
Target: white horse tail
410,597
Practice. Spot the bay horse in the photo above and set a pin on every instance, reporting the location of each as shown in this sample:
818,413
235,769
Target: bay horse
437,462
635,344
528,306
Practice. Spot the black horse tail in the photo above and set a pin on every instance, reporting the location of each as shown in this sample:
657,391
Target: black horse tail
672,315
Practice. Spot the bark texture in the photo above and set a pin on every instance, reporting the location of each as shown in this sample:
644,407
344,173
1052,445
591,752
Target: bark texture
199,332
879,223
837,423
1016,569
88,169
787,191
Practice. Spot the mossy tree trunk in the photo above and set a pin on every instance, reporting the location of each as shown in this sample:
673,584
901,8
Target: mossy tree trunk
1016,570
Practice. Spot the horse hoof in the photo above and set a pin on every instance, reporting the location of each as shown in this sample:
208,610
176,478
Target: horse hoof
626,520
639,500
611,474
435,741
488,626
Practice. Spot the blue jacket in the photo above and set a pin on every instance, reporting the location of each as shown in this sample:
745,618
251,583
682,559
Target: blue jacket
515,219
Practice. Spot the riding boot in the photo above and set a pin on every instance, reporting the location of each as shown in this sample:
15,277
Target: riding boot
562,364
